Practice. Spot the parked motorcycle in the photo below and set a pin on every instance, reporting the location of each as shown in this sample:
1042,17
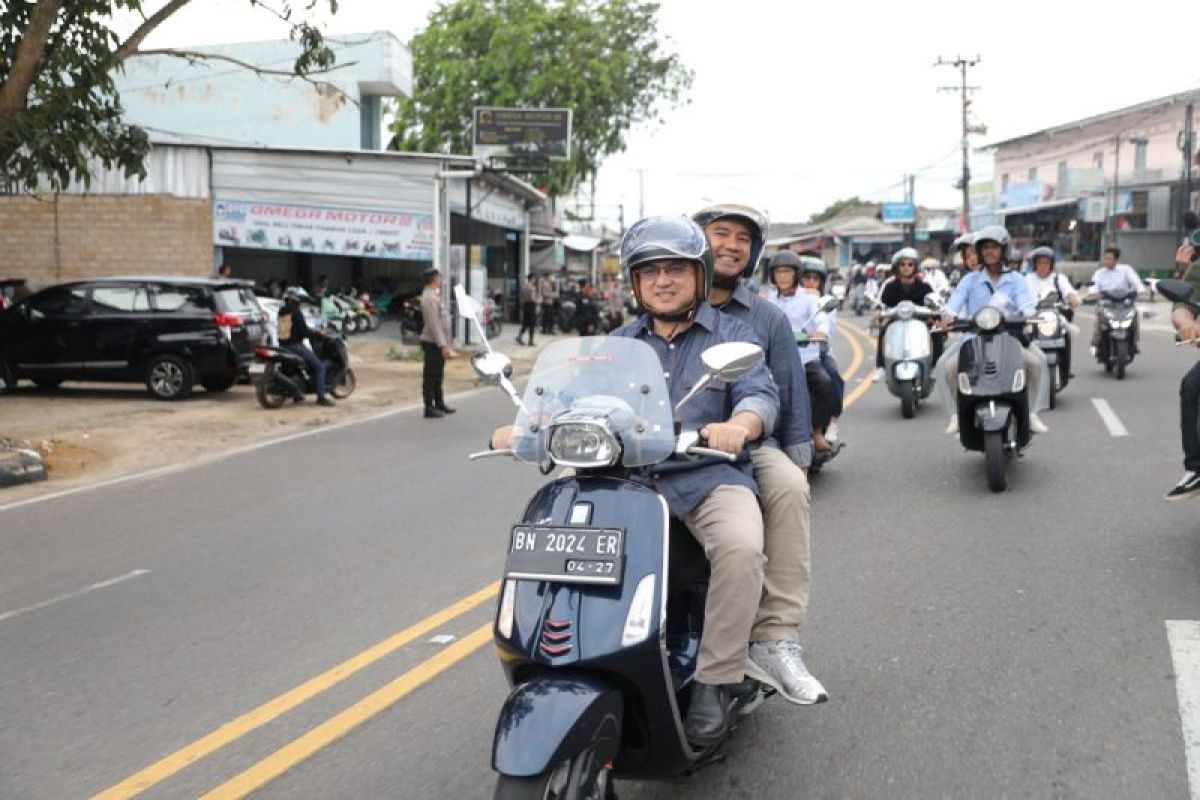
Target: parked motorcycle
286,375
491,319
908,351
1051,333
994,397
602,608
1116,316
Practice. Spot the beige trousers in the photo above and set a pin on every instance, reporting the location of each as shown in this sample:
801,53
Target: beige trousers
728,525
785,497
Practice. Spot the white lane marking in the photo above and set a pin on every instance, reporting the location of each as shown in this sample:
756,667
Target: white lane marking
173,468
1109,417
1184,636
137,573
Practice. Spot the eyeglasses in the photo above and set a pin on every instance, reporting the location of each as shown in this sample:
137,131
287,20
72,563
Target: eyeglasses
651,272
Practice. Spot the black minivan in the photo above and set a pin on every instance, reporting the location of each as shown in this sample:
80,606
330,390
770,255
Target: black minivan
171,333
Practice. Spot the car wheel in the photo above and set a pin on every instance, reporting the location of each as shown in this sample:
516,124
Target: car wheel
7,381
47,383
169,377
218,384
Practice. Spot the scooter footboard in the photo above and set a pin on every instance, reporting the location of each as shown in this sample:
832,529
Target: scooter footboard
552,718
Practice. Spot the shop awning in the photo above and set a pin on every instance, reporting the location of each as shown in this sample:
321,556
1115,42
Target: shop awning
581,243
1066,201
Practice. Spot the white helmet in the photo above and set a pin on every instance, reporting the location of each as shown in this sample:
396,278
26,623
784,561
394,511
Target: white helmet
905,253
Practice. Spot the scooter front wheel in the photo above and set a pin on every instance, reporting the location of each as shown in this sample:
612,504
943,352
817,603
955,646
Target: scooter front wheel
345,386
577,778
908,400
993,453
1122,358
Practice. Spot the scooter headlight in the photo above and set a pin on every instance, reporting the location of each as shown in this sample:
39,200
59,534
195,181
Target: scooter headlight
641,613
988,318
905,310
1048,324
583,445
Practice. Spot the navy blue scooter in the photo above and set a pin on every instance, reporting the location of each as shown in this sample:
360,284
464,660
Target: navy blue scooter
600,616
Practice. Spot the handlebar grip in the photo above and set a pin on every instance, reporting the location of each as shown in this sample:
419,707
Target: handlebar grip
696,450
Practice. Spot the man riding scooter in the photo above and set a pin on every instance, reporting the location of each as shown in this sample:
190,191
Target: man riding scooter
293,332
905,284
974,292
669,265
736,235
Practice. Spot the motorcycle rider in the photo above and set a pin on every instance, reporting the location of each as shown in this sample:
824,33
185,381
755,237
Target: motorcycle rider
669,265
964,245
1045,279
802,310
814,277
293,335
973,293
736,235
933,274
908,285
1188,329
1112,276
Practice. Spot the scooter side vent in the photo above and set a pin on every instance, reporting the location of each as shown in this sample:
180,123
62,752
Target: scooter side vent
556,638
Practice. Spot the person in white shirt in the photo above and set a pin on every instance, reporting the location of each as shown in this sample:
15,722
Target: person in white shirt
935,276
1045,279
1115,277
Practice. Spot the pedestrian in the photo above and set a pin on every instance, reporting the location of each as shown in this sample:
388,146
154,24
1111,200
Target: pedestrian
435,345
587,310
529,304
225,271
549,295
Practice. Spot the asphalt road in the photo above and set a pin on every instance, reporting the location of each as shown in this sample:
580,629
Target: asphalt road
178,633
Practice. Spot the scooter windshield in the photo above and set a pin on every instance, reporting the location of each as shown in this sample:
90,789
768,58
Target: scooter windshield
609,377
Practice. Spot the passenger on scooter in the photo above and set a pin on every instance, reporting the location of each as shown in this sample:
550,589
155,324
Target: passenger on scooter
736,235
802,309
964,245
1045,279
293,332
933,274
669,266
814,279
906,284
973,293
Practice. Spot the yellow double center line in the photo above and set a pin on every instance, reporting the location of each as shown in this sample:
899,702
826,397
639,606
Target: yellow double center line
345,721
231,731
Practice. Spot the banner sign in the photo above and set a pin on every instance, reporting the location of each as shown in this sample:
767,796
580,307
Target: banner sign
899,213
522,133
322,229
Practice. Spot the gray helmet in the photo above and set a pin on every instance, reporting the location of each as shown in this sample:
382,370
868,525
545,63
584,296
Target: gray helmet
296,294
965,240
659,238
814,266
903,253
994,233
1042,252
752,218
784,259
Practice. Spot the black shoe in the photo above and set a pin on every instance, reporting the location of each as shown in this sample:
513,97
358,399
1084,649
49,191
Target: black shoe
434,413
709,715
325,401
445,409
519,340
1187,488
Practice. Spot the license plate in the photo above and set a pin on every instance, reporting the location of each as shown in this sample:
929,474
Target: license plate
566,554
258,368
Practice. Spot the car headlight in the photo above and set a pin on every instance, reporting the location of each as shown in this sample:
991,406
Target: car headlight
583,445
988,318
1048,324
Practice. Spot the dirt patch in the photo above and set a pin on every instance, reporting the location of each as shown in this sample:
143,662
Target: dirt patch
92,432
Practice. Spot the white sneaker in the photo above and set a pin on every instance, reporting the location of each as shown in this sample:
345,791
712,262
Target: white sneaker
779,664
1036,425
880,376
831,432
952,428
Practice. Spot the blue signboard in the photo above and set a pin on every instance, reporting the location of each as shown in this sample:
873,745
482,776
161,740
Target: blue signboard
899,213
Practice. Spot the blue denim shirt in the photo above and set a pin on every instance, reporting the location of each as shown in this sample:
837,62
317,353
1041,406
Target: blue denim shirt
976,290
793,431
754,392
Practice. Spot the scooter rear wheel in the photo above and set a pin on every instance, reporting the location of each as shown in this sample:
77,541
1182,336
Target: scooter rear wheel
993,453
267,391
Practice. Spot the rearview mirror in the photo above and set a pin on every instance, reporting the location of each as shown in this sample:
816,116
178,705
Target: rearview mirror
492,366
932,300
829,303
731,360
1175,290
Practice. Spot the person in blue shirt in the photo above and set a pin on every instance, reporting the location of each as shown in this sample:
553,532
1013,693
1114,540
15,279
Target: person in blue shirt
737,234
975,291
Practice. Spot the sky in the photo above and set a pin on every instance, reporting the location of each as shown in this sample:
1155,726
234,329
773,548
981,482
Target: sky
795,105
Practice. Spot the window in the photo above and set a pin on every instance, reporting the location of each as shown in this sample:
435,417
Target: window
1004,183
1062,177
60,301
1098,160
193,299
119,299
237,300
1032,174
1139,155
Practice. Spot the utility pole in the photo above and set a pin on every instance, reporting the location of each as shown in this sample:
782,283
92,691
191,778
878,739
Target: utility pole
962,64
1187,143
910,229
641,193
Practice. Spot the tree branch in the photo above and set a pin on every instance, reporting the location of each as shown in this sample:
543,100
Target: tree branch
130,45
195,55
15,90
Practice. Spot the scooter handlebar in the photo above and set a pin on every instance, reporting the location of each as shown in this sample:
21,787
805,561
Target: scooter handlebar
697,450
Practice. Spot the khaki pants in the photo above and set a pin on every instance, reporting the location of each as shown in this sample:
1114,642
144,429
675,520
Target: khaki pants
786,577
728,525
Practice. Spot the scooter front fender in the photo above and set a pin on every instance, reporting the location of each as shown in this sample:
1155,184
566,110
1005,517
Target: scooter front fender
553,717
992,417
1051,357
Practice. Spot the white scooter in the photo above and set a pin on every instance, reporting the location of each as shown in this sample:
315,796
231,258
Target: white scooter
908,351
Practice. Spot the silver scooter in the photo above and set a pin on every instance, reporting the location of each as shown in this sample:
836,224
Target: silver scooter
908,351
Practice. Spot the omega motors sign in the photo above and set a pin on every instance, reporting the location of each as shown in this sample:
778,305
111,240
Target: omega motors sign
322,229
